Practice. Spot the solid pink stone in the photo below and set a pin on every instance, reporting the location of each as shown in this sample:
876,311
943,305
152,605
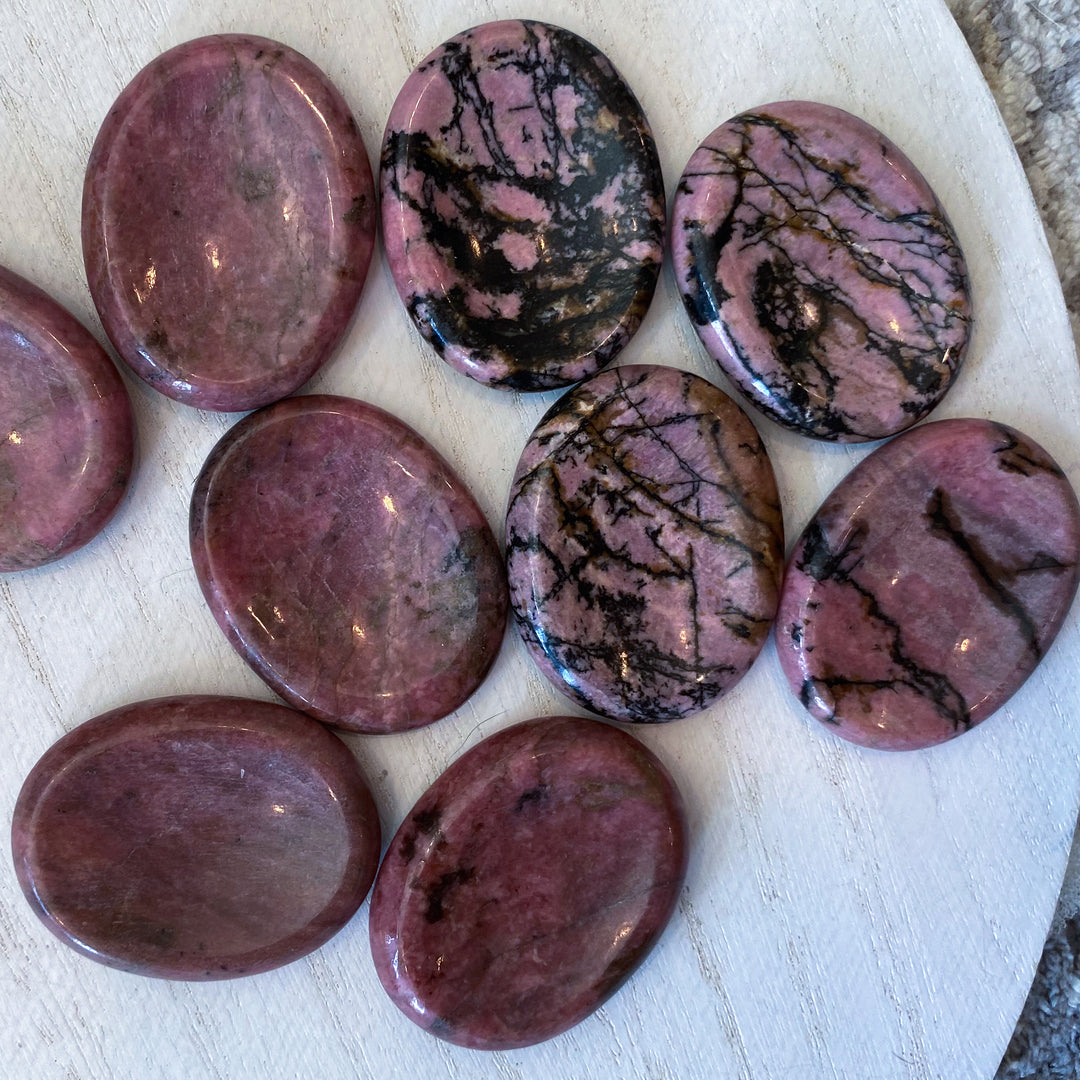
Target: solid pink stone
528,883
348,564
228,221
196,837
820,271
929,584
66,431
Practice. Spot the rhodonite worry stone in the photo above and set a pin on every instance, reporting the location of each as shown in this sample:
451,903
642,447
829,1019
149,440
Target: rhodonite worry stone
228,221
196,837
523,208
644,543
348,564
820,271
528,883
66,431
929,584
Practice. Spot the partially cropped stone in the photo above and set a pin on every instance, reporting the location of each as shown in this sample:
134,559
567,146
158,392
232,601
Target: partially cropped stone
66,430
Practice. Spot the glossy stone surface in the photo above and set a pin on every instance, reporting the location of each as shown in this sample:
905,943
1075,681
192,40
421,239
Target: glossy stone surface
820,271
644,543
348,564
929,584
196,837
522,205
228,221
66,431
528,882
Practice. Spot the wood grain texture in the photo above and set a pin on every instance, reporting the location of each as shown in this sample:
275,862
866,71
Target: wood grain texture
847,914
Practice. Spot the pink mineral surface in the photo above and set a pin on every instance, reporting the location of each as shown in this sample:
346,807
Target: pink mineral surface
820,271
196,837
528,883
929,584
228,221
66,430
348,564
644,543
523,208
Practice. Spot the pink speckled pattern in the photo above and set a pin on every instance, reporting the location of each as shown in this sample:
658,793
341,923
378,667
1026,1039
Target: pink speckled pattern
348,564
522,205
66,430
929,584
196,837
820,271
644,543
228,221
528,883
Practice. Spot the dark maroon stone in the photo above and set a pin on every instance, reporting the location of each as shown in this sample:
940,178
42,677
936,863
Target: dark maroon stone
929,584
644,543
522,205
820,271
228,221
348,564
196,837
528,882
66,432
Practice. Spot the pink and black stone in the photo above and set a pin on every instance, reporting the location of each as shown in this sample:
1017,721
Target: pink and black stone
228,222
66,430
820,271
196,837
929,584
644,544
348,564
523,208
528,883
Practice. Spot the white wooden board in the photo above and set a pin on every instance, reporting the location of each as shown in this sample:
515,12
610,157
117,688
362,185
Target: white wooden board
847,914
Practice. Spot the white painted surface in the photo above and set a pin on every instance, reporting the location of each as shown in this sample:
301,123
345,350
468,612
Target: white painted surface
848,914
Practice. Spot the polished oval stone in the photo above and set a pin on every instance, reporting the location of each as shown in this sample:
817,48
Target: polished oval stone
929,584
66,431
644,543
820,271
528,882
228,221
522,205
196,837
348,564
